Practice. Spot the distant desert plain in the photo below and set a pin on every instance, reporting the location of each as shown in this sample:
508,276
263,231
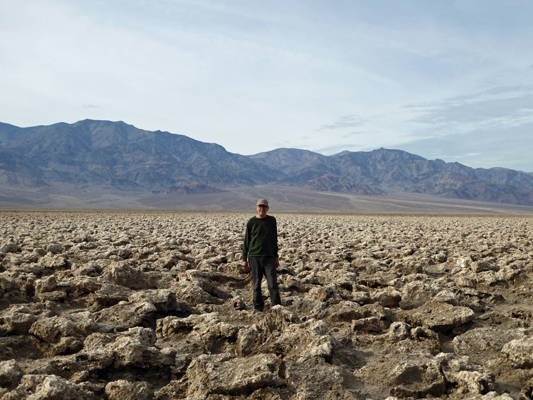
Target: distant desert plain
243,199
155,305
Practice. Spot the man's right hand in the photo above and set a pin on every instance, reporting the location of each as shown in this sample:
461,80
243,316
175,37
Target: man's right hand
245,266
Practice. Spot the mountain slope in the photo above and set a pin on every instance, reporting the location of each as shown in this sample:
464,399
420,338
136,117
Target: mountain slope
103,153
385,171
115,156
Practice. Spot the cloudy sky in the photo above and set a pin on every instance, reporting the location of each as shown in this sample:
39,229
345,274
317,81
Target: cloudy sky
442,79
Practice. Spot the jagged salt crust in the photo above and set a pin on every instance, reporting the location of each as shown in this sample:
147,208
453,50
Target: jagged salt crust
119,305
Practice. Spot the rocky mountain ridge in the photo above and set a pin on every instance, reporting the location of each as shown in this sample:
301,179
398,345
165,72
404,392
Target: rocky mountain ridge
115,156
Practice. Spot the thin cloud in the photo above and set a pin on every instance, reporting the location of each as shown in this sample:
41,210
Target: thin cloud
480,148
330,150
497,108
324,76
345,122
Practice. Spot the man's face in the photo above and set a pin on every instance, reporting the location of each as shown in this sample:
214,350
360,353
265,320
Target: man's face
262,211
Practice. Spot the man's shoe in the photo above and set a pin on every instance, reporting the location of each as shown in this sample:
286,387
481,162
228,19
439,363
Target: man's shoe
258,312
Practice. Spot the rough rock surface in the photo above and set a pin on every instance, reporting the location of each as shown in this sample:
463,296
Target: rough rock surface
119,305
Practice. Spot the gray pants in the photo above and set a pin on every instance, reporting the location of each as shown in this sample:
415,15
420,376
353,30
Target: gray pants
266,266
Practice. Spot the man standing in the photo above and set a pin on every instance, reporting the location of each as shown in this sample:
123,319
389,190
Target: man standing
260,254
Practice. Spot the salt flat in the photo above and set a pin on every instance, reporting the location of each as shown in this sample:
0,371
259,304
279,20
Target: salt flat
155,305
237,199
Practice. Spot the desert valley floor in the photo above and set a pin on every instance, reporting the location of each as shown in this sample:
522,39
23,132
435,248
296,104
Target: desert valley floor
155,305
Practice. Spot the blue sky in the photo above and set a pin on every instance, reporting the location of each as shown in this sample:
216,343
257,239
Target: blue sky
442,79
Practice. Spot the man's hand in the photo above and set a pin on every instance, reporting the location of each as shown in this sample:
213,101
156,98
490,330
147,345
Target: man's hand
245,266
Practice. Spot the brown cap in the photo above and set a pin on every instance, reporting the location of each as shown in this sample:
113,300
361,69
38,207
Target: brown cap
262,202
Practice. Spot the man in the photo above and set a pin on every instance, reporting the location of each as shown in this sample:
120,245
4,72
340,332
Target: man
260,254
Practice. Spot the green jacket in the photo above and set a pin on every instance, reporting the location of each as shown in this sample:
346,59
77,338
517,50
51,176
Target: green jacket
260,238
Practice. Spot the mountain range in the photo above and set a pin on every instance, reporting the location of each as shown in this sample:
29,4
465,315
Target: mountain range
103,157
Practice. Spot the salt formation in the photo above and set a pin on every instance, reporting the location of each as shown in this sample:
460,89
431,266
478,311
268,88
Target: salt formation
119,305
